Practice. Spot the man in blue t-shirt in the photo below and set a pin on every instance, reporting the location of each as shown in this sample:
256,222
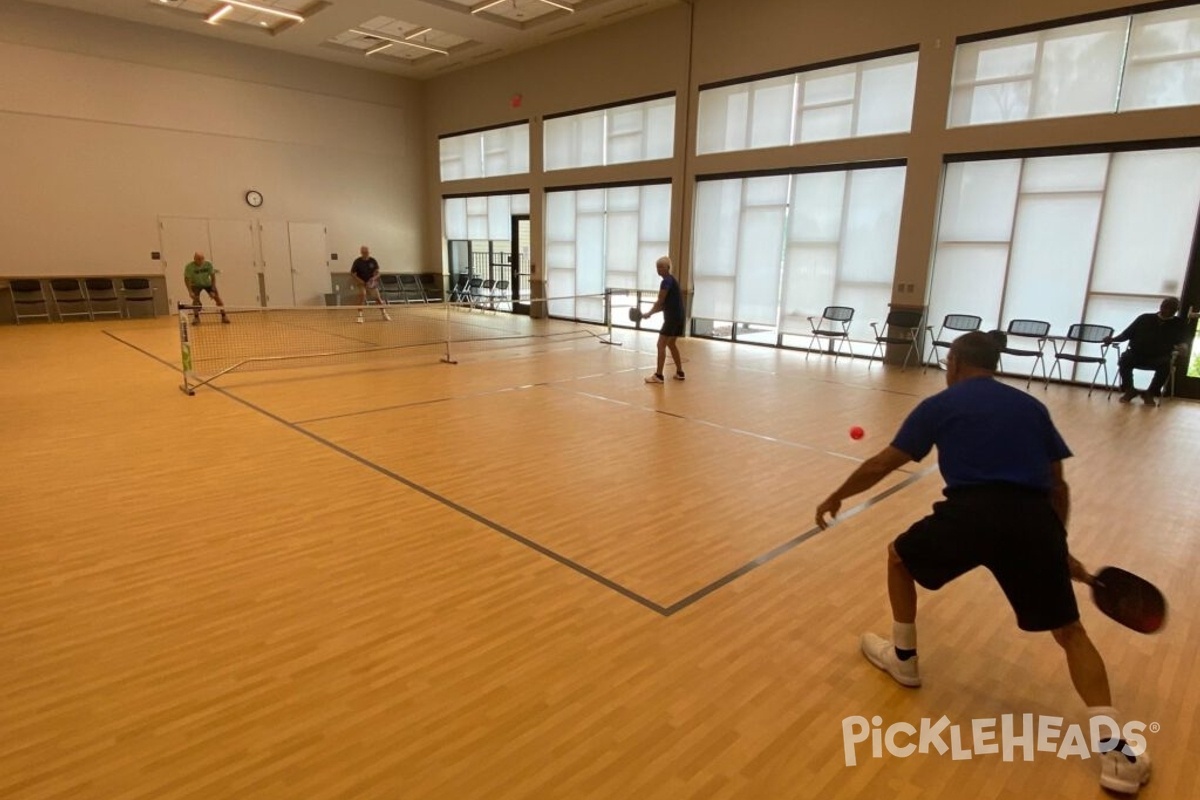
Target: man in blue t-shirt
670,303
1005,508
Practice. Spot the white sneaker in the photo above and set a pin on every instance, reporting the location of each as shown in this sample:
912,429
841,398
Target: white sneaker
655,379
385,316
882,653
1119,774
359,320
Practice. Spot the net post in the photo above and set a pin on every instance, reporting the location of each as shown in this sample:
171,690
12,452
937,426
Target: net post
448,358
608,323
185,352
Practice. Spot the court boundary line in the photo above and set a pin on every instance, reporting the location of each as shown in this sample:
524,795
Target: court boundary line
666,611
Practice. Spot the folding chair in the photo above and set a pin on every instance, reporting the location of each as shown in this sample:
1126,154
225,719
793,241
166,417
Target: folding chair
26,295
137,292
1027,329
502,294
460,292
962,323
834,323
432,287
410,289
102,296
900,328
473,290
68,294
1071,348
390,288
1168,389
481,294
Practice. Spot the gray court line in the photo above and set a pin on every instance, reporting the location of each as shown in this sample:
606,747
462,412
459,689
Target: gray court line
771,555
461,509
665,611
467,396
738,431
482,520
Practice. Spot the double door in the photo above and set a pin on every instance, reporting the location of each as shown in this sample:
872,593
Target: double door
259,263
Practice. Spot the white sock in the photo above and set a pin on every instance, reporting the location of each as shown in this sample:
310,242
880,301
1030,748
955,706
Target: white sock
904,635
1106,711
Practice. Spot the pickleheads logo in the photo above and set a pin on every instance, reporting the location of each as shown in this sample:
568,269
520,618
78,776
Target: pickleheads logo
1026,735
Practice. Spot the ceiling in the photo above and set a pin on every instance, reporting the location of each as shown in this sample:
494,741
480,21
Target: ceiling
413,38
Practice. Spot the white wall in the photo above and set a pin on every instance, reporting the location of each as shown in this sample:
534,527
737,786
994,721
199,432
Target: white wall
105,126
683,47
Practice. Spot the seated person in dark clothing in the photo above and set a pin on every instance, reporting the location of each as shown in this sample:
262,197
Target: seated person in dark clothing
1153,339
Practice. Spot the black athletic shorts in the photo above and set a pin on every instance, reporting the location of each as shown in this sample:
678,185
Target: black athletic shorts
195,291
671,327
1011,530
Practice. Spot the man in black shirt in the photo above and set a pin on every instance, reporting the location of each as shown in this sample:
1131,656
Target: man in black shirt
670,303
1153,339
365,272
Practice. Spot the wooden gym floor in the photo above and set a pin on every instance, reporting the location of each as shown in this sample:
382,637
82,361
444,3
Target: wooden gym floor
527,576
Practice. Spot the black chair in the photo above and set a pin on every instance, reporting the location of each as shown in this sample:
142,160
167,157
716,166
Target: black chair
459,293
1083,344
137,292
69,298
481,296
102,296
473,290
390,288
1168,389
432,287
833,324
503,294
961,323
902,328
26,296
410,289
1034,329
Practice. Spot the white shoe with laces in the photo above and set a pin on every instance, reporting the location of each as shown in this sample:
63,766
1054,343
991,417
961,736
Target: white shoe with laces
882,653
1119,774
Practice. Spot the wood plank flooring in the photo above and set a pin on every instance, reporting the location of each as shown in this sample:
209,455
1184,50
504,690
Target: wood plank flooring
528,575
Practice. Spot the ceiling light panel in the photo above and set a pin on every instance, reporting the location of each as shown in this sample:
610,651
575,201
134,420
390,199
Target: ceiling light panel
519,11
410,41
254,13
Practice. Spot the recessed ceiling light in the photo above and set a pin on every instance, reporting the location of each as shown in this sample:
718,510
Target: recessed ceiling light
267,10
383,38
216,15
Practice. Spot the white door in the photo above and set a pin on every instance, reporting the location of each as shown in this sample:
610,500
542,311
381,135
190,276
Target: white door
233,257
310,264
276,264
181,238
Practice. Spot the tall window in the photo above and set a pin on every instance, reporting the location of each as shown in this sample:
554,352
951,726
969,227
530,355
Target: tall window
482,218
633,132
769,252
603,238
867,98
1123,63
485,154
1096,238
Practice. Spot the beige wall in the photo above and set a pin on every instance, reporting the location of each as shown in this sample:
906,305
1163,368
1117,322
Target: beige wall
728,39
107,125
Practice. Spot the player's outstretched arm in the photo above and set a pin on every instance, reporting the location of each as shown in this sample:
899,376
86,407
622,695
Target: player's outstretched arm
869,473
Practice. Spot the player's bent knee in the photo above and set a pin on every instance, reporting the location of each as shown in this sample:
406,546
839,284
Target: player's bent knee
1069,633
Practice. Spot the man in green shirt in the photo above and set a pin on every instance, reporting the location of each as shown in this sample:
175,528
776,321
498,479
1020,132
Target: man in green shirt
200,276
